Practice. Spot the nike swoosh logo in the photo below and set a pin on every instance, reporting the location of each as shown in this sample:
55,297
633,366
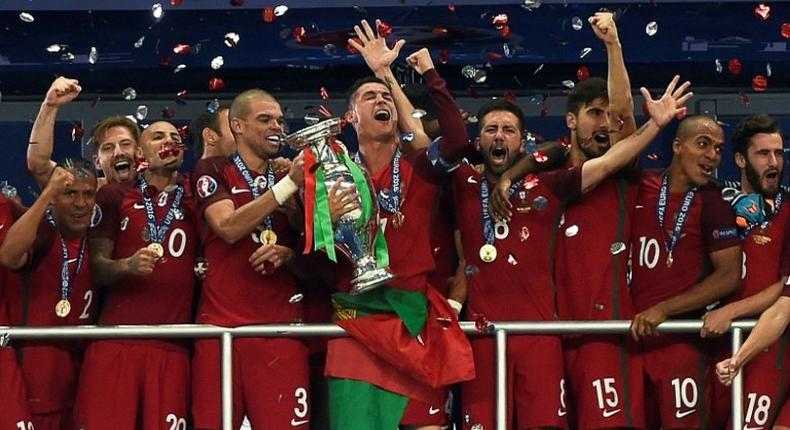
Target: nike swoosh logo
639,207
73,260
607,414
295,423
235,190
746,427
561,413
1,226
433,411
680,415
471,180
138,206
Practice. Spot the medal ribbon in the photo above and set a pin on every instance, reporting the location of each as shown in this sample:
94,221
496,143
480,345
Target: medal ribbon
390,202
488,223
158,233
661,210
65,283
256,192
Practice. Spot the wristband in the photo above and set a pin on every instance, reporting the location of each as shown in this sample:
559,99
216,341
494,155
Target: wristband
284,189
457,306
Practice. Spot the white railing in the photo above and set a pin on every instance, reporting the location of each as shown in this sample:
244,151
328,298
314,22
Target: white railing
500,331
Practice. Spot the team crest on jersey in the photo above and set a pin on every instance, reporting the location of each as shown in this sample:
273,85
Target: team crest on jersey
96,215
124,223
206,186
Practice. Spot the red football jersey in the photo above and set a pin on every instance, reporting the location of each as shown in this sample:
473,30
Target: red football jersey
710,226
233,293
519,283
9,212
443,240
164,296
591,267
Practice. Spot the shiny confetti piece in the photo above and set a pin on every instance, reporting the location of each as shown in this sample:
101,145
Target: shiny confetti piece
67,57
538,70
296,298
511,259
183,131
157,11
653,156
325,112
280,10
768,70
785,30
324,93
129,93
217,62
540,203
763,11
500,20
582,73
26,17
451,7
577,23
216,84
584,52
482,324
77,132
439,31
383,29
651,28
505,31
181,49
141,165
493,56
759,83
530,5
231,39
734,66
531,181
236,3
468,71
176,3
299,33
719,67
212,106
507,50
179,68
141,112
568,84
56,48
268,14
523,234
418,113
480,76
572,231
93,55
540,157
617,248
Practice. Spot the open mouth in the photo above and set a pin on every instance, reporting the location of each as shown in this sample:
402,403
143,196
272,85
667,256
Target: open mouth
382,115
772,176
274,139
498,154
601,138
706,170
122,167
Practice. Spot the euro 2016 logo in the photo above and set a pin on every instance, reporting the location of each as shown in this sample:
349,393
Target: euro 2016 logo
205,186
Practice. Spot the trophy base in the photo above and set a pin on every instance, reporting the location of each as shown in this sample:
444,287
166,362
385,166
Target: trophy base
370,280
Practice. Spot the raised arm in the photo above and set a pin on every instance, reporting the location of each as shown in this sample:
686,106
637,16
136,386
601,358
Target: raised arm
662,111
769,329
379,58
231,223
621,102
42,136
15,250
455,137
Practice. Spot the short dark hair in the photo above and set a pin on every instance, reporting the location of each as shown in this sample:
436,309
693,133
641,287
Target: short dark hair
205,119
110,122
501,105
585,93
78,164
360,82
420,98
748,127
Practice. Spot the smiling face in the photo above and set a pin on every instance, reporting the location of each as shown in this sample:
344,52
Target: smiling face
500,141
372,112
763,163
590,128
116,153
260,127
697,149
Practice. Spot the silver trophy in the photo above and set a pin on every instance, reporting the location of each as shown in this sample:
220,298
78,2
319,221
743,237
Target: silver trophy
356,243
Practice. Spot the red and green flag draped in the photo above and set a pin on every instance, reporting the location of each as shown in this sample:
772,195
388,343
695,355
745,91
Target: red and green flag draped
319,233
405,344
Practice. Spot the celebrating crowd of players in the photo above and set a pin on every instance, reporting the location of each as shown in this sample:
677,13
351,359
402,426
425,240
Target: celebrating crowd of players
574,231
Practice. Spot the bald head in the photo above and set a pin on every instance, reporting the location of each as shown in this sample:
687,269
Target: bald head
241,104
692,126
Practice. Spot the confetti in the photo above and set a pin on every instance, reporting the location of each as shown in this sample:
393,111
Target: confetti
179,68
383,29
745,100
584,52
768,70
483,325
299,33
480,76
231,40
538,70
500,20
176,3
439,31
617,248
217,62
468,71
568,84
212,106
129,93
572,231
324,93
763,11
268,14
93,55
735,66
785,30
505,31
181,49
507,50
408,138
451,7
530,5
577,23
510,96
651,28
67,56
444,56
141,112
540,157
759,83
719,67
418,113
330,49
168,112
511,259
296,298
216,84
156,11
523,234
531,181
280,10
26,17
582,73
56,48
77,131
653,156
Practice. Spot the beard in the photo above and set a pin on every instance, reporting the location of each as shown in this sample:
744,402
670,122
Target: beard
589,152
754,179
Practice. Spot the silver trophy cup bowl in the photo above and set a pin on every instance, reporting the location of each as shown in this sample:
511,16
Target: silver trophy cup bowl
355,242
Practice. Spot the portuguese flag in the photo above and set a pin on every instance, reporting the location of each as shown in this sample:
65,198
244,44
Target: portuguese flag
403,345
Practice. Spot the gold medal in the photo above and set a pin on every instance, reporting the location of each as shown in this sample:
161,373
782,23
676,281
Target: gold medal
157,249
669,260
63,308
398,218
761,239
488,253
268,237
